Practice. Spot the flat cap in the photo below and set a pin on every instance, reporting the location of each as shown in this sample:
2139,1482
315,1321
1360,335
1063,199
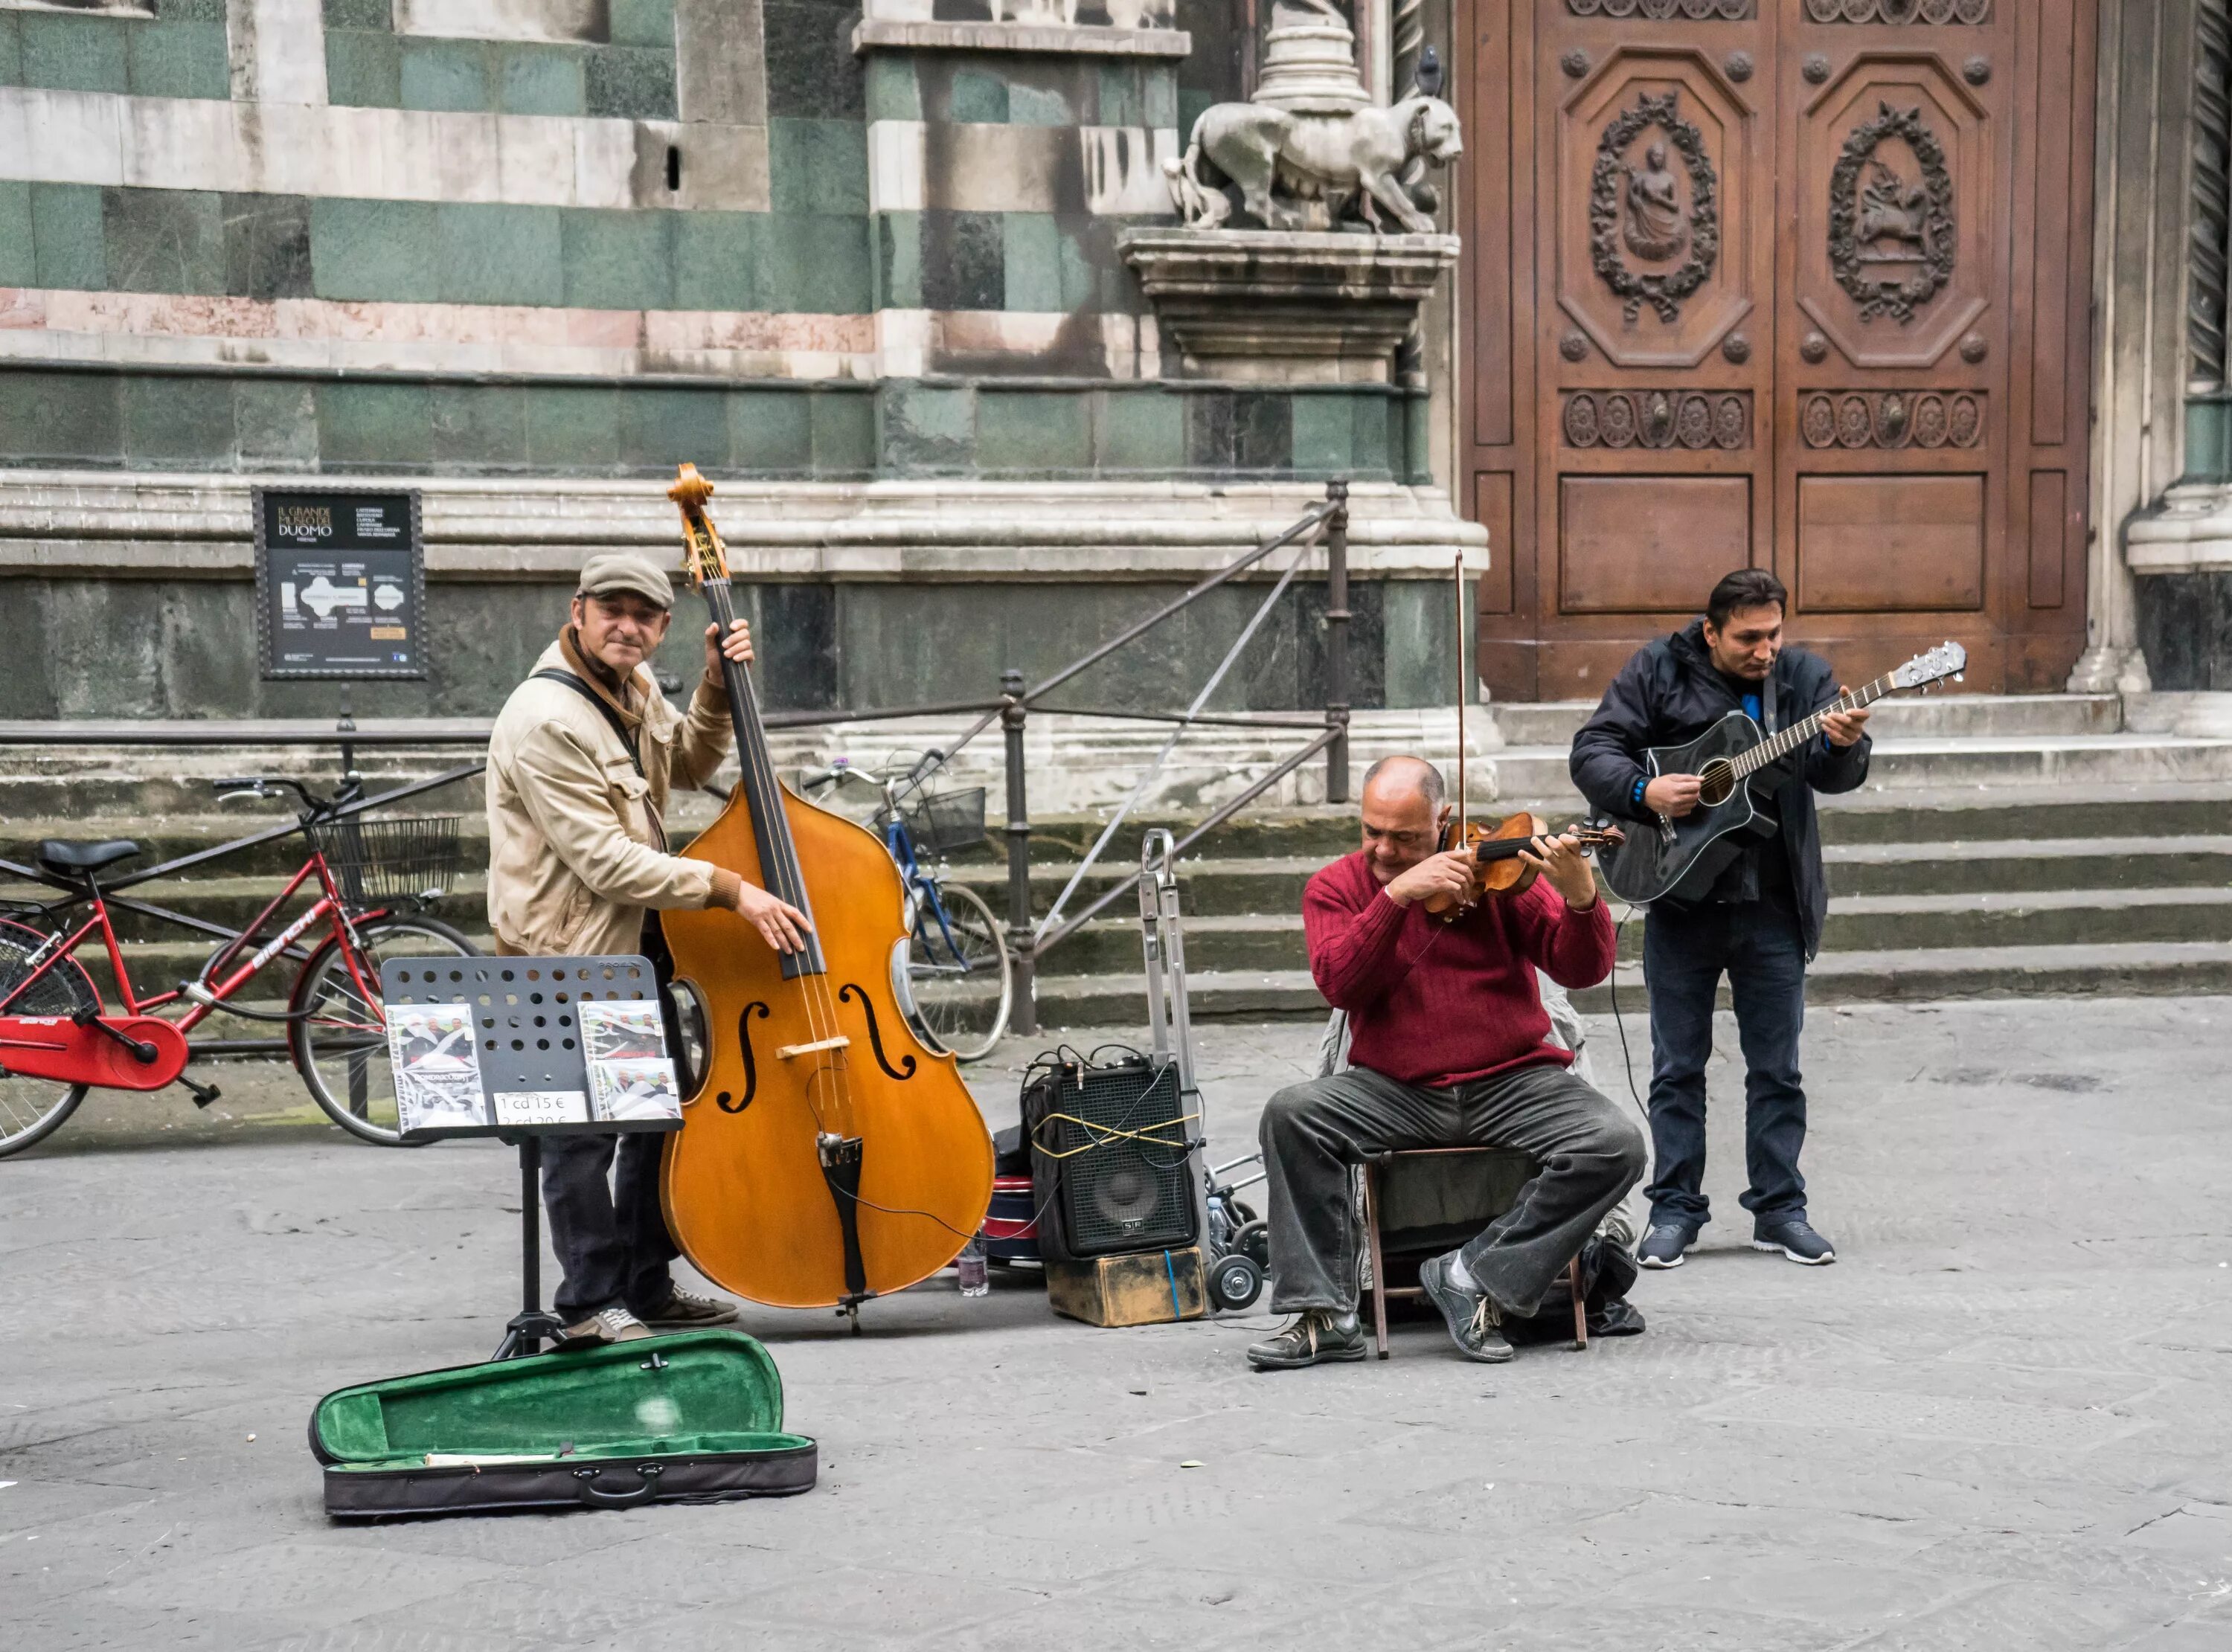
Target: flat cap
616,571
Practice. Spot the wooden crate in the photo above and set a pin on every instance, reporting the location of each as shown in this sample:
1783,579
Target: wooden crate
1147,1289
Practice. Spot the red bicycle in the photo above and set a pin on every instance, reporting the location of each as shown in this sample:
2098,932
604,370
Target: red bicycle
372,880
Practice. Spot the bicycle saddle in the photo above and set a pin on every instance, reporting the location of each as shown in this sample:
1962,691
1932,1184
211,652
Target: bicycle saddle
56,855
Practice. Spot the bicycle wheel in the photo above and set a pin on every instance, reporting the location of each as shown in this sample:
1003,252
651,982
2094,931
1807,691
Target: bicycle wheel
340,1037
958,970
33,1109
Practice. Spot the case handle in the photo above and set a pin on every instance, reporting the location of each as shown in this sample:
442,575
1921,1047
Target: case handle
647,1475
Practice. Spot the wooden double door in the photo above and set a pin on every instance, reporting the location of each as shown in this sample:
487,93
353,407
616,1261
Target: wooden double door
1793,284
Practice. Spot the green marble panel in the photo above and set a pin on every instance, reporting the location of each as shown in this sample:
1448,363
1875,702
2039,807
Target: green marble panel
1141,430
61,417
643,22
573,427
360,14
364,68
1030,250
631,83
478,427
978,96
163,241
927,430
171,420
275,423
771,431
618,259
540,80
817,265
450,74
165,59
11,50
19,261
67,238
818,166
493,253
893,92
659,429
716,259
1034,106
1324,433
374,426
898,261
844,433
375,250
1041,432
74,53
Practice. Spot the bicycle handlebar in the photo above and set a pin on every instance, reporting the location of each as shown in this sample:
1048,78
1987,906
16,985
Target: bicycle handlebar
267,785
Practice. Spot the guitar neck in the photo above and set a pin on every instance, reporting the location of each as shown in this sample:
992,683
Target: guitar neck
1776,746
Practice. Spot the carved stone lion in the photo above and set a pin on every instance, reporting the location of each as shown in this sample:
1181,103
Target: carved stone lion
1321,166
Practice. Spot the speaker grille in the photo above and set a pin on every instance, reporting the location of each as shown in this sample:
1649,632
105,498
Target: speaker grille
1118,1192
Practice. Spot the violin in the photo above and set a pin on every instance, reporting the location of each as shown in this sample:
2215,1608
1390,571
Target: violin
1497,866
831,1154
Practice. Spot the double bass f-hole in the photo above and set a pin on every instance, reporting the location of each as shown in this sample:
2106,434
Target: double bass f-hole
905,1068
751,1065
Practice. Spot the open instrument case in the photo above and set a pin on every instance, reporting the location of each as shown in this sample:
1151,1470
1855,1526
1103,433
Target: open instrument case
691,1418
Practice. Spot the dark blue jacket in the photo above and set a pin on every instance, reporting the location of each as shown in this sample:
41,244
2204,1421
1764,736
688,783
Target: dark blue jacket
1669,693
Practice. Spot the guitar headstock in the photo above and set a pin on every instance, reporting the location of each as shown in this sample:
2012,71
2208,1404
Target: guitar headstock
705,559
1934,665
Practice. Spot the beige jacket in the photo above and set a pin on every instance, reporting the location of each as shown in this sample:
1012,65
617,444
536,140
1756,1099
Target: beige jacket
577,844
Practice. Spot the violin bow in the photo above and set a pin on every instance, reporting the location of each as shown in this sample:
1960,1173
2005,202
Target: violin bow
1464,822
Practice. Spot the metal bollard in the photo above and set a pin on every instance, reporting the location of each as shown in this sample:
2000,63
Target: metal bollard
1024,1017
1337,618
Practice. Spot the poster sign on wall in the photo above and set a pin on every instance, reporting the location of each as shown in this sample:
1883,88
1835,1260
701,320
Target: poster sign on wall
340,583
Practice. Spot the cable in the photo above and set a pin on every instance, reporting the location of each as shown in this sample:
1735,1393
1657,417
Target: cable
1626,1061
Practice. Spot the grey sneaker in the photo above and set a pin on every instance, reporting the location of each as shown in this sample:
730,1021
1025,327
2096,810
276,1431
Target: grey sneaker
1665,1245
604,1326
1317,1335
1473,1316
1794,1239
687,1311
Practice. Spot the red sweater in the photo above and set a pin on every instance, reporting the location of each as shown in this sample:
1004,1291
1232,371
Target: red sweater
1433,1003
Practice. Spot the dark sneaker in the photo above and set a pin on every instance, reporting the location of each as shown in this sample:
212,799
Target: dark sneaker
687,1311
1795,1239
1473,1316
1665,1245
1317,1335
606,1325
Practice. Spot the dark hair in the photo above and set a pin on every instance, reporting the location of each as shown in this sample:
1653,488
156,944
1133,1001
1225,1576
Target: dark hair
1745,588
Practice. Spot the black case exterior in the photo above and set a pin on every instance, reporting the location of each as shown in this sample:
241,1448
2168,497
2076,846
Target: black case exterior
610,1482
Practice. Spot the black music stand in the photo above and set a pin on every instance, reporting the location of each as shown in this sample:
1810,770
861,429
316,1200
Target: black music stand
531,1073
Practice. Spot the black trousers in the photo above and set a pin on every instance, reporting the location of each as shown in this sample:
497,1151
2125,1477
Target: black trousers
601,1195
1759,947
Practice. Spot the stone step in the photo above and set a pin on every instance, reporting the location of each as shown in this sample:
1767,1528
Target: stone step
1934,716
158,966
2111,969
1859,922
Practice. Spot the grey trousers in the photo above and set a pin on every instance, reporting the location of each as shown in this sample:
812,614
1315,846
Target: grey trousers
1589,1150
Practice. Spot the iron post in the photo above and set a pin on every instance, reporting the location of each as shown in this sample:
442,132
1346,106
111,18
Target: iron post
1337,618
1024,1017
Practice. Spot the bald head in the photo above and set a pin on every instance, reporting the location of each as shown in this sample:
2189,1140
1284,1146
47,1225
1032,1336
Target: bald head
1399,779
1403,811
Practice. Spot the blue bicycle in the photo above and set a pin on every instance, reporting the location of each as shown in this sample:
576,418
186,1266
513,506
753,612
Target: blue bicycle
960,981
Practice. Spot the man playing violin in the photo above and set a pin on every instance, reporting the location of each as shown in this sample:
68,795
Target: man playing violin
1450,1048
579,763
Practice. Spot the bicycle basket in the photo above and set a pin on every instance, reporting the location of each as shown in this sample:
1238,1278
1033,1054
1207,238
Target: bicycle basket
389,860
947,821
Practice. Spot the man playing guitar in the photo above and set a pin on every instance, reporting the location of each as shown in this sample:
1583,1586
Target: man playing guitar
1753,913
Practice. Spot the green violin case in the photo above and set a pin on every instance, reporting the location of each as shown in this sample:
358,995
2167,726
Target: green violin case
692,1418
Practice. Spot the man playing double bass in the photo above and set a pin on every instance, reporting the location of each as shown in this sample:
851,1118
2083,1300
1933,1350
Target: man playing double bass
1450,1048
580,764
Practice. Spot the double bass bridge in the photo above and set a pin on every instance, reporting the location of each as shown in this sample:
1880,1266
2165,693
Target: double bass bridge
791,1052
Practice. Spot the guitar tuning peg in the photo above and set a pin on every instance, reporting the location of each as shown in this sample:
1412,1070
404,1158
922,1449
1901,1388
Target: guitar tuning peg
1960,676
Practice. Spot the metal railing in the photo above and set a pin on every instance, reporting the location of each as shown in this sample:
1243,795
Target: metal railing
1324,524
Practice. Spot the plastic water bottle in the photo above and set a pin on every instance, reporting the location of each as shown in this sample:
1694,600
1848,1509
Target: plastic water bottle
971,1267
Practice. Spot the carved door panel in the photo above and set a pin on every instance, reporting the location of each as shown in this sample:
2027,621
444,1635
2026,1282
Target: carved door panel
1786,283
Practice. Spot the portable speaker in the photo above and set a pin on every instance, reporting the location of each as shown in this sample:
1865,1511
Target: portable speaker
1110,1169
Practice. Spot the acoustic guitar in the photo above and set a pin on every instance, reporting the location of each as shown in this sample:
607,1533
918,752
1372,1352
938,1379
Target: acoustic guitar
1728,759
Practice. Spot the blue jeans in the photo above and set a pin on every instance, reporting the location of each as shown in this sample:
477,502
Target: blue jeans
1686,950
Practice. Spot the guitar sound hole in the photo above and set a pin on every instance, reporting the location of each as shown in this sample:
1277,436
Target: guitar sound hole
1717,783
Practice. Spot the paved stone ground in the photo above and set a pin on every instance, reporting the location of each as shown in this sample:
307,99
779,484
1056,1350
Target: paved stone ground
2001,1422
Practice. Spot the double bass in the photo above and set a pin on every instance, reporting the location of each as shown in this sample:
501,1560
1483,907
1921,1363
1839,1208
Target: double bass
830,1155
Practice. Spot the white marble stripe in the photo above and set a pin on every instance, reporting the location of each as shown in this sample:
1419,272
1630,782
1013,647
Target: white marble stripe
391,154
895,166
